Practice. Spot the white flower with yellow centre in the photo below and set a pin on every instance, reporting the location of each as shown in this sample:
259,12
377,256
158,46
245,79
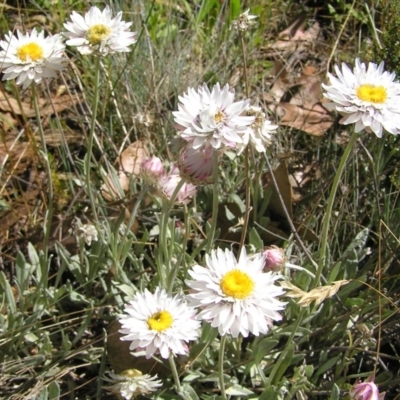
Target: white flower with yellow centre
132,383
235,296
31,57
159,323
97,32
212,118
368,97
260,133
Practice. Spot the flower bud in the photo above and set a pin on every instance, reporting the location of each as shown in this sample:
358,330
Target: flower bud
197,164
152,169
168,184
366,390
274,258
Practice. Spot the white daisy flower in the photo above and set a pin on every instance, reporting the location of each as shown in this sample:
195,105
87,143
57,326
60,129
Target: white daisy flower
212,118
260,133
159,323
98,33
31,57
244,21
132,383
368,97
235,296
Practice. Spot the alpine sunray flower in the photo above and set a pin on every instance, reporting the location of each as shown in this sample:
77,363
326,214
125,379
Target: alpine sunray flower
368,97
212,118
132,383
97,32
235,296
159,323
31,57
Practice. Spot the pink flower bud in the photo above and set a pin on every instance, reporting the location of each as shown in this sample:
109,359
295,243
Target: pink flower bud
152,169
168,184
274,258
197,164
366,390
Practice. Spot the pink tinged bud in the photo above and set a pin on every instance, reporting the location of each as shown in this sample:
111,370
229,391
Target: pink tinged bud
168,184
197,164
274,258
365,390
152,169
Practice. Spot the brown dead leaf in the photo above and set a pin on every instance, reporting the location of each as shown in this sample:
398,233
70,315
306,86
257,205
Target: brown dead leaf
276,208
20,210
302,108
128,164
295,37
281,175
313,119
47,106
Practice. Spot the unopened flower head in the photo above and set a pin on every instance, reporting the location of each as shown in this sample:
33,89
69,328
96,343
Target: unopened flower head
152,169
235,296
369,97
97,32
244,21
366,390
159,323
169,182
274,258
31,57
212,118
260,132
197,164
132,383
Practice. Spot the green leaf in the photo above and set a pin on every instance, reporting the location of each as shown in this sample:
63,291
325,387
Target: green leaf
263,348
271,393
335,395
234,10
188,392
328,365
255,240
237,390
205,9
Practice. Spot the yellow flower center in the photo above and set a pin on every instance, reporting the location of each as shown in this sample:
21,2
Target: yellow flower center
97,33
372,93
219,116
30,51
131,373
160,321
237,284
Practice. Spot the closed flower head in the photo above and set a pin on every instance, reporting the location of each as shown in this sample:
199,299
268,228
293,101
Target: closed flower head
168,184
235,296
31,57
369,97
97,32
366,390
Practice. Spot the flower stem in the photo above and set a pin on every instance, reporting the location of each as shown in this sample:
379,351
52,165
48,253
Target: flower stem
165,253
178,387
221,366
49,215
88,156
214,216
329,206
248,199
246,154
